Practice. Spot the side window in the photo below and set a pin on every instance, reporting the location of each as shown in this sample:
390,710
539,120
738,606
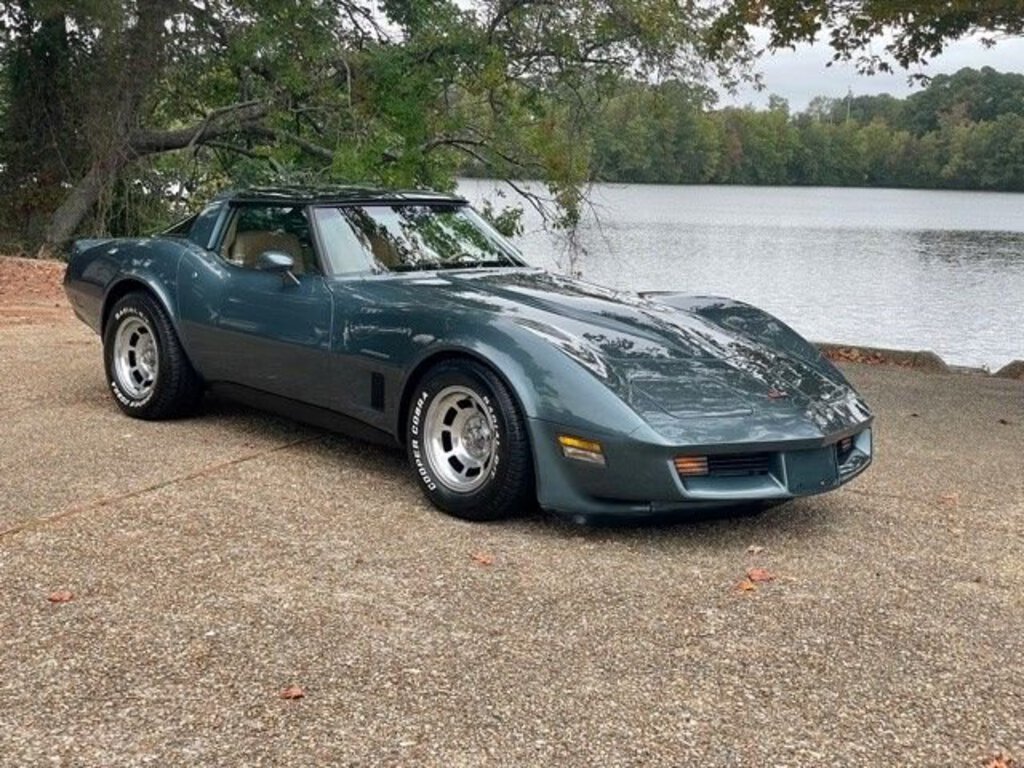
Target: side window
202,229
182,228
254,229
198,227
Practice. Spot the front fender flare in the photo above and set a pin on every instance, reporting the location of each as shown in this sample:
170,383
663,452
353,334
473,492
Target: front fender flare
547,384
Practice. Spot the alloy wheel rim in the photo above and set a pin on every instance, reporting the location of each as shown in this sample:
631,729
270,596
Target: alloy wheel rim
460,439
136,358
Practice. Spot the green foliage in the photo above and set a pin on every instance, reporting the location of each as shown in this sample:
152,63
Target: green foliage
913,30
508,221
394,92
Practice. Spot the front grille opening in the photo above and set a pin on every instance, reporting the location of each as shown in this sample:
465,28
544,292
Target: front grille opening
740,464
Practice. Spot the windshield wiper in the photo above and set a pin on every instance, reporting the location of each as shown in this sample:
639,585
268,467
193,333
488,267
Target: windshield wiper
420,266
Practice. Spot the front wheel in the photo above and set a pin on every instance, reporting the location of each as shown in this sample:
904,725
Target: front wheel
468,444
147,370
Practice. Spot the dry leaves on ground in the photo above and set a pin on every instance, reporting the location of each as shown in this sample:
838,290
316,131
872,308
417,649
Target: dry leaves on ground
760,575
754,577
482,558
999,760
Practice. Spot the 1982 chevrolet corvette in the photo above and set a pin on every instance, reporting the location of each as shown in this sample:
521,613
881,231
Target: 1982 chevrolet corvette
405,316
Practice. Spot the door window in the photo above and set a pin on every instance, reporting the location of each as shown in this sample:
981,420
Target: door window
255,229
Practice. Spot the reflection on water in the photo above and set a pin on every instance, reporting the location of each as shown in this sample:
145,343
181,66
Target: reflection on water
898,268
971,250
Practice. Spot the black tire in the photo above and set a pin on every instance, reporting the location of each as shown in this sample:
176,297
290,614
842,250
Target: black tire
464,399
147,371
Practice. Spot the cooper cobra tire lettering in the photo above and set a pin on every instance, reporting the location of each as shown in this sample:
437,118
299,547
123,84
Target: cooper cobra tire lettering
417,414
421,468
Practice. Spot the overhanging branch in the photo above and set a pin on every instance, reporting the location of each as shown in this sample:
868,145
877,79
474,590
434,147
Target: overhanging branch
222,121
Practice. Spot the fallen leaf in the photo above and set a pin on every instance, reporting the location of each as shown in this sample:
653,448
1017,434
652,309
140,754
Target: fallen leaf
746,586
292,692
760,575
482,558
754,549
61,596
999,760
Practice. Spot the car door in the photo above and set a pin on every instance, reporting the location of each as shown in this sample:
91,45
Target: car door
269,330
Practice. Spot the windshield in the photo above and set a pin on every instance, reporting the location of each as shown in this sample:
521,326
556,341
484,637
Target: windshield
403,237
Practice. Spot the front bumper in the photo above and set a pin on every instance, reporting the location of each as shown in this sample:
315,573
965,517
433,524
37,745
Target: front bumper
640,478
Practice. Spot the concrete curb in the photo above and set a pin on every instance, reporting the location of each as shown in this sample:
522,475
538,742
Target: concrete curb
921,360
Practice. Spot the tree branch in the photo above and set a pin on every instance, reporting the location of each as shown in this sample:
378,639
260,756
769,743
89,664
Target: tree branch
213,126
316,150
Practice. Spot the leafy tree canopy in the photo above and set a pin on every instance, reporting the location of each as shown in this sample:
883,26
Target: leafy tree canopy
112,104
916,30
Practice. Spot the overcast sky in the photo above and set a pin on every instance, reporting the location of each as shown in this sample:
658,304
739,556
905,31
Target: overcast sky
801,75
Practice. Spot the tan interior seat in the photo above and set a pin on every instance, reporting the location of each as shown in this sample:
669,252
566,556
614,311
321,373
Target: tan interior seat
249,245
383,251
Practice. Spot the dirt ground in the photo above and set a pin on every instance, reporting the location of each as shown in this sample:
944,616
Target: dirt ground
31,291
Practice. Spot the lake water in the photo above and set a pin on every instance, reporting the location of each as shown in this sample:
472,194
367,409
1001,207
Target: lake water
908,269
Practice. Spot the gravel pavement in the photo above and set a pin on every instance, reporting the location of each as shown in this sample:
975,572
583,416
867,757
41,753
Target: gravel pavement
214,562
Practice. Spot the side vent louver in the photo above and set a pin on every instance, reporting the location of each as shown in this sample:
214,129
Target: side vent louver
377,391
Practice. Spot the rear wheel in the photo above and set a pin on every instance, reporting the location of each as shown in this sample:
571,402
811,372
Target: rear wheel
468,444
147,370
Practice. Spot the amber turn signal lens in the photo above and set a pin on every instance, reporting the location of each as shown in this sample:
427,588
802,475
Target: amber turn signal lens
691,466
580,449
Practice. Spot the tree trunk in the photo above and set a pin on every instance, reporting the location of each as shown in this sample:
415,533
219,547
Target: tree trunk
132,70
76,206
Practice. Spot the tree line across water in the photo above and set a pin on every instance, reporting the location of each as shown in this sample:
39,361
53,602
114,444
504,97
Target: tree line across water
962,131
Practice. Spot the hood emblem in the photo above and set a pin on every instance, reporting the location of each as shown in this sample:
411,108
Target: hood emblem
777,394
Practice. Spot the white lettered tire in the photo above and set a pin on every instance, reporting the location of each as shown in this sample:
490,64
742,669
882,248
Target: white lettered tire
147,371
467,443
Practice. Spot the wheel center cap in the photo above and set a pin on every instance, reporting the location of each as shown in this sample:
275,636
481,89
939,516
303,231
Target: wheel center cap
476,436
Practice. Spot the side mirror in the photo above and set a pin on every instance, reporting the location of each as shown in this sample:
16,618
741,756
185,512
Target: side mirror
277,261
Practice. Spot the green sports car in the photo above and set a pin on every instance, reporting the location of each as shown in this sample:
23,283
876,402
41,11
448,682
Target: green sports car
404,316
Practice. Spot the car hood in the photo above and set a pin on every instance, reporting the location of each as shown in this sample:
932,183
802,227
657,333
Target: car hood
668,364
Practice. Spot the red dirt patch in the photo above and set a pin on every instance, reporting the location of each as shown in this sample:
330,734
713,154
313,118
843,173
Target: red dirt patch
31,291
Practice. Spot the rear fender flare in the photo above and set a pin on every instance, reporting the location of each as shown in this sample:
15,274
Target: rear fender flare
128,283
